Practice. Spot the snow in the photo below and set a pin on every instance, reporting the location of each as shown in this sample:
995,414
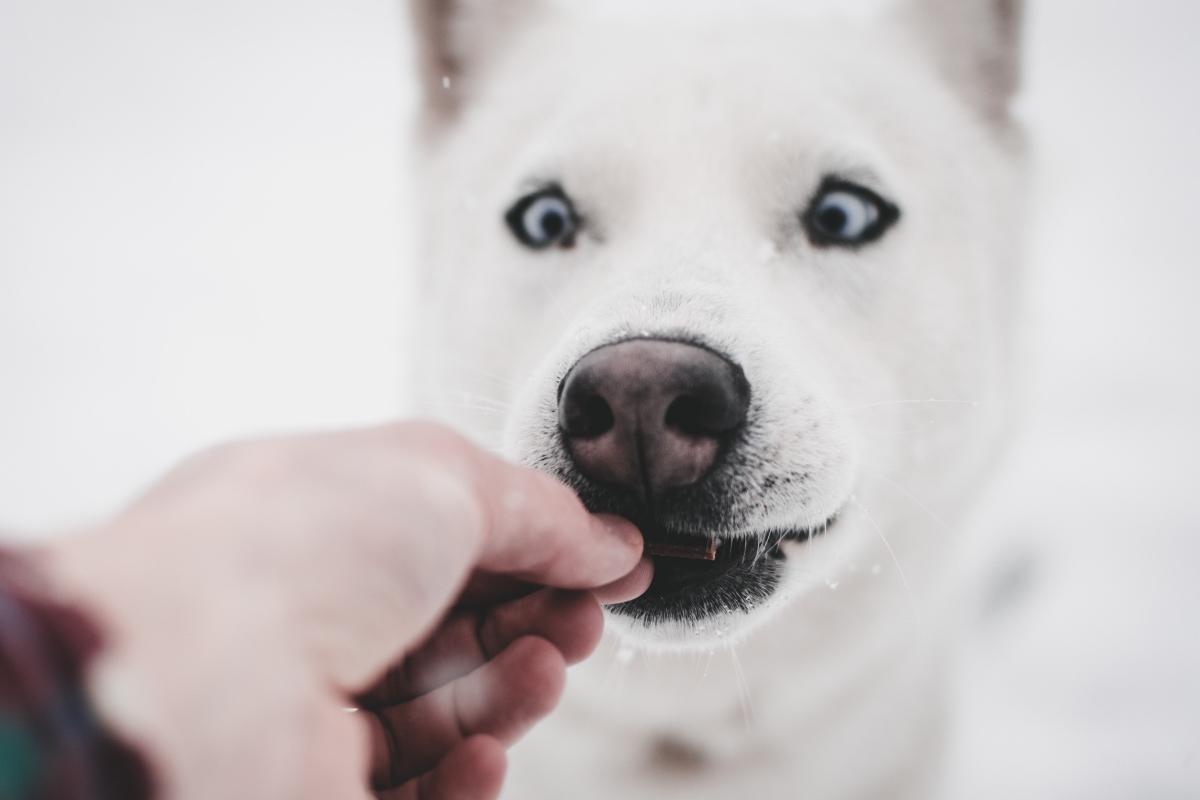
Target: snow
150,304
1089,687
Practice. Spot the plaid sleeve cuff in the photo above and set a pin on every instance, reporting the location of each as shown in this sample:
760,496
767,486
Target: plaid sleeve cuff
52,747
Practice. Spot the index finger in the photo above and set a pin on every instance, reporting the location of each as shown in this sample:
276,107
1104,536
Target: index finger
525,524
539,531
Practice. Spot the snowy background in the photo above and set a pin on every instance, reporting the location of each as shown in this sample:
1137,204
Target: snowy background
203,220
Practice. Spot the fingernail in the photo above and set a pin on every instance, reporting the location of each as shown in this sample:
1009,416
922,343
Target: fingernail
624,530
631,586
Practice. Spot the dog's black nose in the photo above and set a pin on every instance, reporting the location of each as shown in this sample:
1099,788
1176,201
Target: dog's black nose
651,415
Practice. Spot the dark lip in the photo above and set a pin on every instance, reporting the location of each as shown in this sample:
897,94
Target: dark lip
746,572
677,576
732,553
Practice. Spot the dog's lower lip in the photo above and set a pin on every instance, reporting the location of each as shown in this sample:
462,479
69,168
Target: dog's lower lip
745,572
674,576
705,548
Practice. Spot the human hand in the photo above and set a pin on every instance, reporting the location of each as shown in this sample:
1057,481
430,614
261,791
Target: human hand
259,587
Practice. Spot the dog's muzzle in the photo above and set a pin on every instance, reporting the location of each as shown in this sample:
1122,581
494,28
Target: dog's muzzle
646,421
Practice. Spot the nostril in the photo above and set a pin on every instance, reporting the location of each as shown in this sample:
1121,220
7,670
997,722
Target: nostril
587,416
692,416
700,416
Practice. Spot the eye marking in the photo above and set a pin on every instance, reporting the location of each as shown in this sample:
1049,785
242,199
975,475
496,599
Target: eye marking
543,219
844,214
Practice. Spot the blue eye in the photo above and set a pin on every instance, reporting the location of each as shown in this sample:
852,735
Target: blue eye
544,219
844,214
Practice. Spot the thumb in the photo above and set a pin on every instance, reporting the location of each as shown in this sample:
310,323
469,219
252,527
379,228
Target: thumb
440,508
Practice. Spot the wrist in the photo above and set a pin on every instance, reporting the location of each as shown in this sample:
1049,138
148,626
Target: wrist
55,744
186,626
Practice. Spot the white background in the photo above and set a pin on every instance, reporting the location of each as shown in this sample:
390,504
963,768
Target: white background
203,222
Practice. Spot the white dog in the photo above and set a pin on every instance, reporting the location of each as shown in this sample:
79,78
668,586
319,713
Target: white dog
746,279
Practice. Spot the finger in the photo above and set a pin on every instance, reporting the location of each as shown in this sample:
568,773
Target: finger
488,589
502,699
534,527
429,509
539,531
631,586
473,770
571,621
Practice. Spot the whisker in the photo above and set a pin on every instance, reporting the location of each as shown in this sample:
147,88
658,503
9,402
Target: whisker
888,546
780,536
911,497
923,428
472,366
743,688
474,397
929,402
496,412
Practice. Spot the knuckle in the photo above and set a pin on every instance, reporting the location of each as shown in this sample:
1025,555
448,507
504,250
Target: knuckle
544,672
249,464
262,463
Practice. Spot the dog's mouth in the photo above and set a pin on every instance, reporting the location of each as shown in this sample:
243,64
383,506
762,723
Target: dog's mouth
692,582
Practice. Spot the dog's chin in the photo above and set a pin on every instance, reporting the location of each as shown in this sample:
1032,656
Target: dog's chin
697,603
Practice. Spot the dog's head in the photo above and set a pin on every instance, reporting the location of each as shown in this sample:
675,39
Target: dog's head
704,268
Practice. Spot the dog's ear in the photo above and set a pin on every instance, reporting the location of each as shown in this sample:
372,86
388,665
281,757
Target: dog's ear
977,44
453,39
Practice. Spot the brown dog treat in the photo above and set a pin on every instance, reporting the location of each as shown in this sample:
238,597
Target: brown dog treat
700,551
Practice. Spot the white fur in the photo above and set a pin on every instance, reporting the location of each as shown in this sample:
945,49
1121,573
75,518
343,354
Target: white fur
691,145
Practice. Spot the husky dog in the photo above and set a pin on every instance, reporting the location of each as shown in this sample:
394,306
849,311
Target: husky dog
747,279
